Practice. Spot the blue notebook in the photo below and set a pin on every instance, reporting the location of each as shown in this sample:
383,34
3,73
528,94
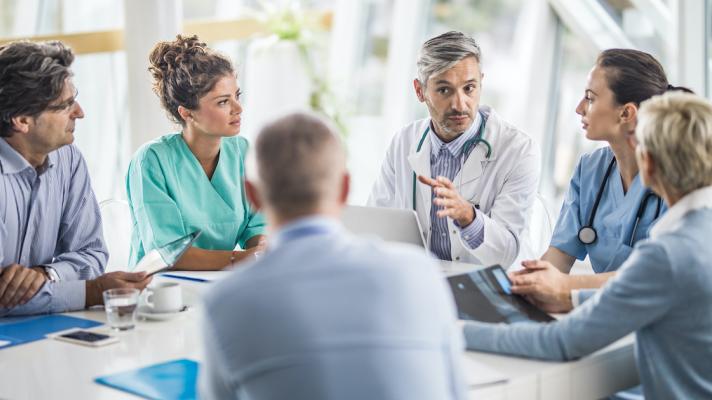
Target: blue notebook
169,380
14,331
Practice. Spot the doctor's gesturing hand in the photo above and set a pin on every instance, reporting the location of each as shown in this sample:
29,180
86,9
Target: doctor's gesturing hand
452,203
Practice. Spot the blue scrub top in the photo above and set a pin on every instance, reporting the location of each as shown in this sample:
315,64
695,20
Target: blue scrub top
170,196
615,217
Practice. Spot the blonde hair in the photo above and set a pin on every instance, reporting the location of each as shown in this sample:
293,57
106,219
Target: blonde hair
676,130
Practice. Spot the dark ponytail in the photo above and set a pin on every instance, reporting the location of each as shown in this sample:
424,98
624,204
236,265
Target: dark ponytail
634,76
671,88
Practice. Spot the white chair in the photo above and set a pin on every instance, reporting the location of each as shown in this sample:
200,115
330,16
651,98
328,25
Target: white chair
116,220
541,226
537,235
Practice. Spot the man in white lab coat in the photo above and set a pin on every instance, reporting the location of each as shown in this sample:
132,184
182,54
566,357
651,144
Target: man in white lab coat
470,176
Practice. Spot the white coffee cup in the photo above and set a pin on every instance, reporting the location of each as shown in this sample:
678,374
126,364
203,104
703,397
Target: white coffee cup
163,297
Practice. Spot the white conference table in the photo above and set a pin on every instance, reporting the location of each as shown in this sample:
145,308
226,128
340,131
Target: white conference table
50,369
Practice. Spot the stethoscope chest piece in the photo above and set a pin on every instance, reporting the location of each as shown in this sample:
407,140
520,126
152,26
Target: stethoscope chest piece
587,235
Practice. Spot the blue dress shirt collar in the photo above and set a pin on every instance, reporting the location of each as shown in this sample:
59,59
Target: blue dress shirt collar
12,162
305,226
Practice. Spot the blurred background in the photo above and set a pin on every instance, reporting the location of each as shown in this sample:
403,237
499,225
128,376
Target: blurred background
354,61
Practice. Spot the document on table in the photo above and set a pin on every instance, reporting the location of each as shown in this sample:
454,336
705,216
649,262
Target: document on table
480,374
198,276
19,330
169,380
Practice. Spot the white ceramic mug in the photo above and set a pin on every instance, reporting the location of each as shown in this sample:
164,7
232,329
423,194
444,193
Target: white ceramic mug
164,297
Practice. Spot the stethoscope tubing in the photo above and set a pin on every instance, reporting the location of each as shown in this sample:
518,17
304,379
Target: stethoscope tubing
588,234
472,143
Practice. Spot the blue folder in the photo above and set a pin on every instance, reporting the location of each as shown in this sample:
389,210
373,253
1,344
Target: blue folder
169,380
28,329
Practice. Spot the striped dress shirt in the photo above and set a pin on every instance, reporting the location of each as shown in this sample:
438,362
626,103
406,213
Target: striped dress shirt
446,159
49,216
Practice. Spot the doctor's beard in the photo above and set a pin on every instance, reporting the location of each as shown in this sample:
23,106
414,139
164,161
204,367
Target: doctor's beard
453,128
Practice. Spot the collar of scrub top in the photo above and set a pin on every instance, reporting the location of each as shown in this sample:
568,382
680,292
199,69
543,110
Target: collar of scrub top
12,162
588,235
466,146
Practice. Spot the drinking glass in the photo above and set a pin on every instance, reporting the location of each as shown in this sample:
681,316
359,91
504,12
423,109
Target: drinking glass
120,306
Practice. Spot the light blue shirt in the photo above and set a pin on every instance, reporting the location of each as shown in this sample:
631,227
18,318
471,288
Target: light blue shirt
663,293
614,219
50,217
446,160
325,315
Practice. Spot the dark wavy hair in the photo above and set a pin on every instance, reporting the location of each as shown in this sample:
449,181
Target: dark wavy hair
32,76
184,70
634,76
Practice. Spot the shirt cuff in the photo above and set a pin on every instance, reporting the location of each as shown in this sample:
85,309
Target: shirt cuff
64,269
474,233
68,296
575,301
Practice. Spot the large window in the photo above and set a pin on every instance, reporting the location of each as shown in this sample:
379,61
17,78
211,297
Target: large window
537,54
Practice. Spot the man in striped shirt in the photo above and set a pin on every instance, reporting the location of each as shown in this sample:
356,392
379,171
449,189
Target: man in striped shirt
52,253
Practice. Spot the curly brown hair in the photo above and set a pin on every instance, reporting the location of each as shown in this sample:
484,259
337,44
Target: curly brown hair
184,70
32,76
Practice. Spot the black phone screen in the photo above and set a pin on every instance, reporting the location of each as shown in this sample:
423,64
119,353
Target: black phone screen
86,336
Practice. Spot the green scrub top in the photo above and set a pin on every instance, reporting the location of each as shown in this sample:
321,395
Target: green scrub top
170,196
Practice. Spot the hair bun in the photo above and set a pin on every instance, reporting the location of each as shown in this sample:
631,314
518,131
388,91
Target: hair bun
167,57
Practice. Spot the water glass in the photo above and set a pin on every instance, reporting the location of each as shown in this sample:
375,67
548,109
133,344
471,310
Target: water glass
120,306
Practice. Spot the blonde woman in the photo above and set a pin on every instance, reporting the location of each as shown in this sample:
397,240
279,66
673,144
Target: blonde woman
663,291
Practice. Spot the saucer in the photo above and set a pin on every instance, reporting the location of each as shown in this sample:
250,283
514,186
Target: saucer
145,312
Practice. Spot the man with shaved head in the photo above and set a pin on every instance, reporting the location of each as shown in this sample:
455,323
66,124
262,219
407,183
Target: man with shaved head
323,314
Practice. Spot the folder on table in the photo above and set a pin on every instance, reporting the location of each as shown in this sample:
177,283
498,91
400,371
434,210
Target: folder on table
14,331
169,380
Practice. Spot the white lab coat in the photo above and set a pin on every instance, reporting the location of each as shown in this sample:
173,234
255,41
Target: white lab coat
503,187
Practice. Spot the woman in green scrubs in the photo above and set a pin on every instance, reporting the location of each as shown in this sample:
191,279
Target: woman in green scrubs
193,180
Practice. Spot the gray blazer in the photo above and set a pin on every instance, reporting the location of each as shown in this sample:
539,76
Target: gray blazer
663,293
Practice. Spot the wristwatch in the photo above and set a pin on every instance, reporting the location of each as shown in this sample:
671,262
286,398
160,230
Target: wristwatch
51,273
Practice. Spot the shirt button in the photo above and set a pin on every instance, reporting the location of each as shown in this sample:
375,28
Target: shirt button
454,231
457,258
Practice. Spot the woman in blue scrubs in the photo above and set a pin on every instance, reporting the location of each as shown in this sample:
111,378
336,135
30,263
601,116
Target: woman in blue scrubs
607,209
193,180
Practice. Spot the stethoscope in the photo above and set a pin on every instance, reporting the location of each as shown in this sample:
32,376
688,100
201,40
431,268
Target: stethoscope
470,144
588,235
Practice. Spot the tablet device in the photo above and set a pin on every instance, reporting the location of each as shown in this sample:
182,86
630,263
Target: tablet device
165,257
485,295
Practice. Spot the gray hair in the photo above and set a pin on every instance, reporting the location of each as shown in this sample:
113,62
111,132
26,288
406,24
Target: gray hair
32,76
299,162
675,128
443,52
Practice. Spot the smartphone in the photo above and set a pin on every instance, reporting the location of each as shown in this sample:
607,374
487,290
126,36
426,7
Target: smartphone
86,338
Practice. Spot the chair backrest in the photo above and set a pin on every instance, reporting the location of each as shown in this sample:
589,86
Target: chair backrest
541,226
116,220
537,235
